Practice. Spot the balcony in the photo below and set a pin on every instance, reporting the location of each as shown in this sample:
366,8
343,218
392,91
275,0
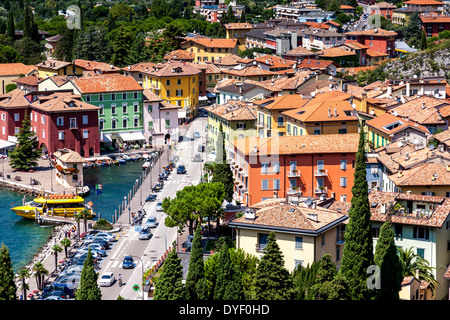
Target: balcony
293,173
321,173
320,190
260,247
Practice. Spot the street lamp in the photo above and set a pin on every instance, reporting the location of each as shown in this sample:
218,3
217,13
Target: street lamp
129,214
137,182
51,174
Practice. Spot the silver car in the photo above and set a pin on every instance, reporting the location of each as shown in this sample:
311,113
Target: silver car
145,233
159,206
151,222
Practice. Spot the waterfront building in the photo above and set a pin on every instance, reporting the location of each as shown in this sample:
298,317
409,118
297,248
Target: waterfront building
304,232
315,165
69,168
12,112
160,120
383,9
63,120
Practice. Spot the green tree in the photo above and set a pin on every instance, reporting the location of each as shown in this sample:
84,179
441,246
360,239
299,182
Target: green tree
65,242
358,250
196,287
8,287
10,28
387,259
228,284
88,289
92,44
169,285
39,273
9,54
423,41
30,50
222,170
23,275
120,42
303,280
273,281
56,249
413,30
26,152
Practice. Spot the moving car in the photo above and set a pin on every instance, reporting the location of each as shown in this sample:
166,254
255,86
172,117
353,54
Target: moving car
145,233
151,197
106,235
181,169
151,222
196,135
159,206
156,187
107,279
197,158
128,262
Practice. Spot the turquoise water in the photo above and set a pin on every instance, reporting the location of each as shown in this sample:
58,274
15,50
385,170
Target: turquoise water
24,237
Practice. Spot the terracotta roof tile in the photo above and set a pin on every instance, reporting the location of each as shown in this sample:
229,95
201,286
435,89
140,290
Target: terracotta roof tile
335,52
234,111
179,54
10,69
382,123
96,66
238,25
149,96
284,102
300,51
32,80
426,174
275,62
106,83
143,67
324,112
213,43
373,32
315,64
423,110
14,99
63,103
173,69
228,60
53,64
250,71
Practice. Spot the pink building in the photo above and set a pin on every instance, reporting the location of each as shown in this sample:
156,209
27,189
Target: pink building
160,120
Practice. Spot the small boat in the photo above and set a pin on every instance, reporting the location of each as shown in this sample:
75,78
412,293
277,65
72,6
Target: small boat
115,162
83,191
146,164
121,160
126,157
99,163
133,157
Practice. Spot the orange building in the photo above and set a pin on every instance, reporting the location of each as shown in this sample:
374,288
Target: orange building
315,165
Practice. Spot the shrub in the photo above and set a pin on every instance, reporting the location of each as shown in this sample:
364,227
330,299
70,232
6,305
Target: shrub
102,224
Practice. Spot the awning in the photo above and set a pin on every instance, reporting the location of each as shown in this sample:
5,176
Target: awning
132,136
6,144
202,98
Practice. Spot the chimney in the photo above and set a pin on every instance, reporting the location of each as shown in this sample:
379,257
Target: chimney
250,214
329,113
364,102
389,89
408,88
312,216
335,112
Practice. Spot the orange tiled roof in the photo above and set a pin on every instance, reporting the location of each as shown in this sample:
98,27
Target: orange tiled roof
228,60
11,69
434,18
423,2
53,64
443,137
425,174
311,144
149,96
324,112
315,64
234,110
422,110
300,51
106,83
179,54
372,32
381,122
284,102
275,62
238,25
213,43
317,25
96,66
250,71
373,53
335,52
344,6
173,68
31,80
63,103
14,99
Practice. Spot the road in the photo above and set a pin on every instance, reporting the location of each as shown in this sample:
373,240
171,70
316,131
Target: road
147,252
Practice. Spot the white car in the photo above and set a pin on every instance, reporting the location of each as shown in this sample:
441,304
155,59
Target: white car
107,279
106,235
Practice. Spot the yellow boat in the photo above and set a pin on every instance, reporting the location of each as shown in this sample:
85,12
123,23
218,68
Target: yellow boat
62,205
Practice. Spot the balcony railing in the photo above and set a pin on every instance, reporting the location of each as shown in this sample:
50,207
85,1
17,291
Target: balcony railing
260,247
321,173
320,190
293,174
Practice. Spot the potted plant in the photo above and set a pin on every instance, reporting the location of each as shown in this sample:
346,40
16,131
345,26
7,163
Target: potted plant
321,187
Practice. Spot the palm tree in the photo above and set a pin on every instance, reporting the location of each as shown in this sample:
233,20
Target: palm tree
24,274
85,214
56,249
411,262
66,243
40,272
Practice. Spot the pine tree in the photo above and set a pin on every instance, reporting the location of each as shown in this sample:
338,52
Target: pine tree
27,22
27,151
169,285
8,287
387,259
243,17
273,281
222,170
228,285
88,289
358,250
303,280
195,280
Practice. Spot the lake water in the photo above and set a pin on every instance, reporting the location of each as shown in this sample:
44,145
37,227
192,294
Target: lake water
24,238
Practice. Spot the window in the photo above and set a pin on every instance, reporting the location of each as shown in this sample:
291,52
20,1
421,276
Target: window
338,253
113,96
135,95
136,108
421,252
179,82
241,125
262,241
85,119
276,167
136,122
113,123
375,232
342,131
101,111
85,134
43,133
168,82
61,135
88,98
322,239
43,119
150,125
100,97
113,109
398,230
320,165
265,185
124,108
343,164
276,184
179,92
298,243
168,93
316,132
421,233
343,181
124,96
101,124
280,121
298,263
16,116
124,122
264,168
294,132
167,123
73,123
60,121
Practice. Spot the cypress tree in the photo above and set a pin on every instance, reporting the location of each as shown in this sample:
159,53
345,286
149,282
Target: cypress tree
169,285
387,259
195,280
10,29
89,289
273,281
27,151
358,250
222,170
228,285
8,287
27,22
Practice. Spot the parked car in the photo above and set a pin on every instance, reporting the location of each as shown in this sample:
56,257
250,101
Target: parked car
51,295
151,222
99,252
159,207
102,242
145,233
196,135
67,290
107,279
128,262
181,169
106,235
197,158
151,197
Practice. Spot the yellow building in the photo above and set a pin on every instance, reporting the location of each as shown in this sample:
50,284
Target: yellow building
177,83
12,71
303,233
237,31
49,68
208,49
271,120
323,117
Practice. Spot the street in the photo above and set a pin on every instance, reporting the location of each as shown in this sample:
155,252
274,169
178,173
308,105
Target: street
146,252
